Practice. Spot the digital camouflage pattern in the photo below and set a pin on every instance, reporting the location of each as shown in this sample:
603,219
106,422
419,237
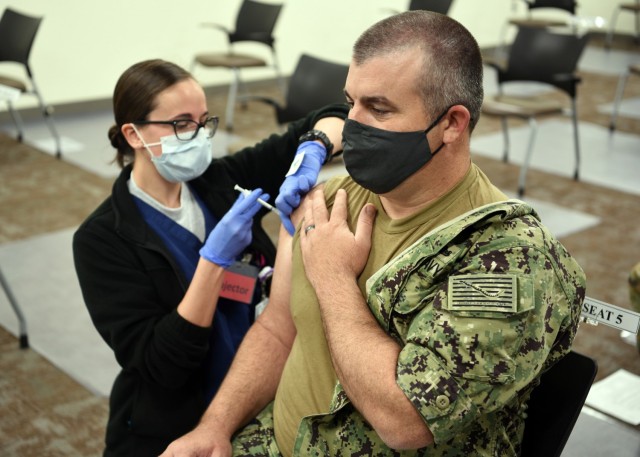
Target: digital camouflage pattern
481,307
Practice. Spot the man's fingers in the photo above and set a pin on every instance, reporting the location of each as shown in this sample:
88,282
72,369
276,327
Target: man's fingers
307,219
365,224
339,211
319,211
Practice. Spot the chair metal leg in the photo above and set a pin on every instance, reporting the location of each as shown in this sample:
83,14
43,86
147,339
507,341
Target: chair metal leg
576,138
24,339
618,100
276,67
637,13
47,112
231,99
612,25
527,158
505,133
17,121
242,94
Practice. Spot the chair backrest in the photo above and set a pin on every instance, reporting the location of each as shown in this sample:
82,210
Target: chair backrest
538,54
255,22
554,406
17,33
313,84
567,5
439,6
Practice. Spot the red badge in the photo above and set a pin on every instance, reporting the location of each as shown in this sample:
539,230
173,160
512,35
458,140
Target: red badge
239,282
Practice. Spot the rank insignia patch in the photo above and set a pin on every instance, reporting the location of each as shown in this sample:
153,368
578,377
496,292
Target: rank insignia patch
483,292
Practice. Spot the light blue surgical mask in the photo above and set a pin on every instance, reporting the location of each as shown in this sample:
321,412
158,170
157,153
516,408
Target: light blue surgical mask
181,161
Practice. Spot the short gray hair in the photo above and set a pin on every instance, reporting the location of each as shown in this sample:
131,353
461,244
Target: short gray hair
452,61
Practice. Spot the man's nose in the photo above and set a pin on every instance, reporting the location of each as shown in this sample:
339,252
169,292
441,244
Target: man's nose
356,113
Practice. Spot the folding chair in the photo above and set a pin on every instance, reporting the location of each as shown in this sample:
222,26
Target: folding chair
630,8
534,20
23,337
438,6
538,55
17,33
255,23
314,83
622,82
554,405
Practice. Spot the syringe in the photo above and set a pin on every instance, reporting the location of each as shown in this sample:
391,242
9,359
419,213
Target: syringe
261,201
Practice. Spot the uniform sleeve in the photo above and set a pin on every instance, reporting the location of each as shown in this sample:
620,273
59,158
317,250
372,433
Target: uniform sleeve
485,334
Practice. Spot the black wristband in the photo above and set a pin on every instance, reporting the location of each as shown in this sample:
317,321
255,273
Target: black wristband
313,135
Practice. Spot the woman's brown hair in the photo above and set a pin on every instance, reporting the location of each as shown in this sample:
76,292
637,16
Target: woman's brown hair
134,97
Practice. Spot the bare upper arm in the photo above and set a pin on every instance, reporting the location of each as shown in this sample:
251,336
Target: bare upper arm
298,213
276,318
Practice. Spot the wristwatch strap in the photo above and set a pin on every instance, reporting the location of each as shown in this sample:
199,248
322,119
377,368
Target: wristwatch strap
313,135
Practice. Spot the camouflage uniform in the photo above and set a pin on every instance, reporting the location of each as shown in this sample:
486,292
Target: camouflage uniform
481,306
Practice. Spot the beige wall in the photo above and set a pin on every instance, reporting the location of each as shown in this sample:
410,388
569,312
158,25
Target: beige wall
84,45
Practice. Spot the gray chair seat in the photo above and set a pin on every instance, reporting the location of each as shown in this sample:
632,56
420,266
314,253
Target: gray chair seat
524,107
229,60
6,81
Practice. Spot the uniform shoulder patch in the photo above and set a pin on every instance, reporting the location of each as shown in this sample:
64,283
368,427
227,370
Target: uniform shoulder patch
483,292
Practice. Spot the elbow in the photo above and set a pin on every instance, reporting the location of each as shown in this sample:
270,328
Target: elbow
405,442
398,423
402,436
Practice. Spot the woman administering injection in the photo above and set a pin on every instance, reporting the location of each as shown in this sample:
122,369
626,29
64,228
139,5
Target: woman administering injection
168,264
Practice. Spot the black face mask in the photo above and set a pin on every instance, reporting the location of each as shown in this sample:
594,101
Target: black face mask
380,160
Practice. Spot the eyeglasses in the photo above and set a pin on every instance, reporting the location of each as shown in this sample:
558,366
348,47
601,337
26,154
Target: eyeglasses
186,129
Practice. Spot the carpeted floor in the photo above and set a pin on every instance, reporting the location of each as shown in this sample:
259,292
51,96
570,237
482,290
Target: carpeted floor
46,413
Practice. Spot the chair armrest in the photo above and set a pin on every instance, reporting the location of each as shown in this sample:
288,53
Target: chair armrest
567,82
566,77
219,27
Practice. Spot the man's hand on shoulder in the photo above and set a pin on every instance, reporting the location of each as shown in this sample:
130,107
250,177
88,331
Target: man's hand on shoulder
330,250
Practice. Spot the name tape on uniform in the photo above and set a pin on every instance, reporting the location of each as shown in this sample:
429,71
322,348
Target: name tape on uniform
611,315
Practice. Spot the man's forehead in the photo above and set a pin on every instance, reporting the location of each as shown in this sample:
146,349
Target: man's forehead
380,80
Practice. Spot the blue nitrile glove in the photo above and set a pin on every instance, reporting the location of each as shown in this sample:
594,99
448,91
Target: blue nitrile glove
233,233
301,177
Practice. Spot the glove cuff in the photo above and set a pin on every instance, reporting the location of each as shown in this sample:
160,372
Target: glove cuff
313,135
224,263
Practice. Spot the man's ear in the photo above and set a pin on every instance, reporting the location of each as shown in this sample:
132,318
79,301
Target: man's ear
456,123
131,136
